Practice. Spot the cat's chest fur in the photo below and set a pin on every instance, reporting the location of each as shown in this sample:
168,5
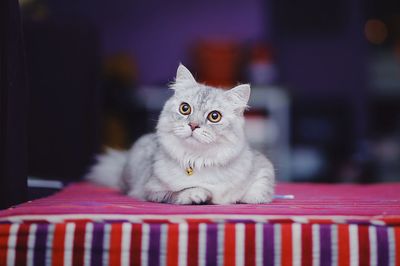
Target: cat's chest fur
220,180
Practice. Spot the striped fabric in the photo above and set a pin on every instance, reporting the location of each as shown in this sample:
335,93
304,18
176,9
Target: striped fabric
318,200
90,225
122,243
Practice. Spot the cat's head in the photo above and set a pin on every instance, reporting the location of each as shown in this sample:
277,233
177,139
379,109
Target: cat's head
203,118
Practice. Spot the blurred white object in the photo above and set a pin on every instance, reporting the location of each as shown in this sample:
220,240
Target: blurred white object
306,162
274,141
34,182
283,196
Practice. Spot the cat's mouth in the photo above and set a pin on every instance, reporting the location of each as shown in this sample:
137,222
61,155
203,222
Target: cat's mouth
197,139
192,139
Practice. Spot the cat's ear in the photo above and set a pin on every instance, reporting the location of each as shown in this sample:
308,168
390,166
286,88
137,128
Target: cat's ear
239,95
183,75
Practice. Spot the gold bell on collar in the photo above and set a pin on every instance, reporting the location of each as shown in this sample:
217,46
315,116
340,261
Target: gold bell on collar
189,171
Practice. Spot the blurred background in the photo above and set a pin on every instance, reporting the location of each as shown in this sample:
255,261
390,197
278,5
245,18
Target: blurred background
325,78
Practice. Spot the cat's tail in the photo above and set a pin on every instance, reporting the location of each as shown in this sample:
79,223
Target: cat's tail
108,169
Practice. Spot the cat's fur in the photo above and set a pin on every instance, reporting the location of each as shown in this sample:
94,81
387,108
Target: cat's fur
225,169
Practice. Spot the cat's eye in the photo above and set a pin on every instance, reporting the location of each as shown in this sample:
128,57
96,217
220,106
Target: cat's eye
185,109
214,116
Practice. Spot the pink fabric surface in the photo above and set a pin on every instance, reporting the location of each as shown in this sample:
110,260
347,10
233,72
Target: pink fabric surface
310,199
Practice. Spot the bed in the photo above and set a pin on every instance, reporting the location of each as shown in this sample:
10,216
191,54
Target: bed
87,224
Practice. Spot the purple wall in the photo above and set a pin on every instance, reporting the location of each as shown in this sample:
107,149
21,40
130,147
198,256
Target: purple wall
159,34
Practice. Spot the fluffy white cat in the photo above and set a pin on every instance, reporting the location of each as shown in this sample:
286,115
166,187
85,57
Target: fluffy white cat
199,153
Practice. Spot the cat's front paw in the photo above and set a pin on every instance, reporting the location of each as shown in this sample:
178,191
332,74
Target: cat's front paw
194,195
260,191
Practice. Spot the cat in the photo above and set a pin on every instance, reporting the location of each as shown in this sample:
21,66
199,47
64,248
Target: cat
199,153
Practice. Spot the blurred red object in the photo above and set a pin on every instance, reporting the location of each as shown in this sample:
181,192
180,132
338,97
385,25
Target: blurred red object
217,63
261,65
261,52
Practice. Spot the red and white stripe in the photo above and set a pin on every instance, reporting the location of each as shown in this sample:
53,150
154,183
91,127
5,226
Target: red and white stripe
88,244
239,244
126,244
259,243
12,241
69,243
354,245
316,252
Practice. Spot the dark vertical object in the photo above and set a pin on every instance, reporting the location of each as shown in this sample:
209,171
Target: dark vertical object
64,103
13,102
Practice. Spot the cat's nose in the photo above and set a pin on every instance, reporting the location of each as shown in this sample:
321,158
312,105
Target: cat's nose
193,125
